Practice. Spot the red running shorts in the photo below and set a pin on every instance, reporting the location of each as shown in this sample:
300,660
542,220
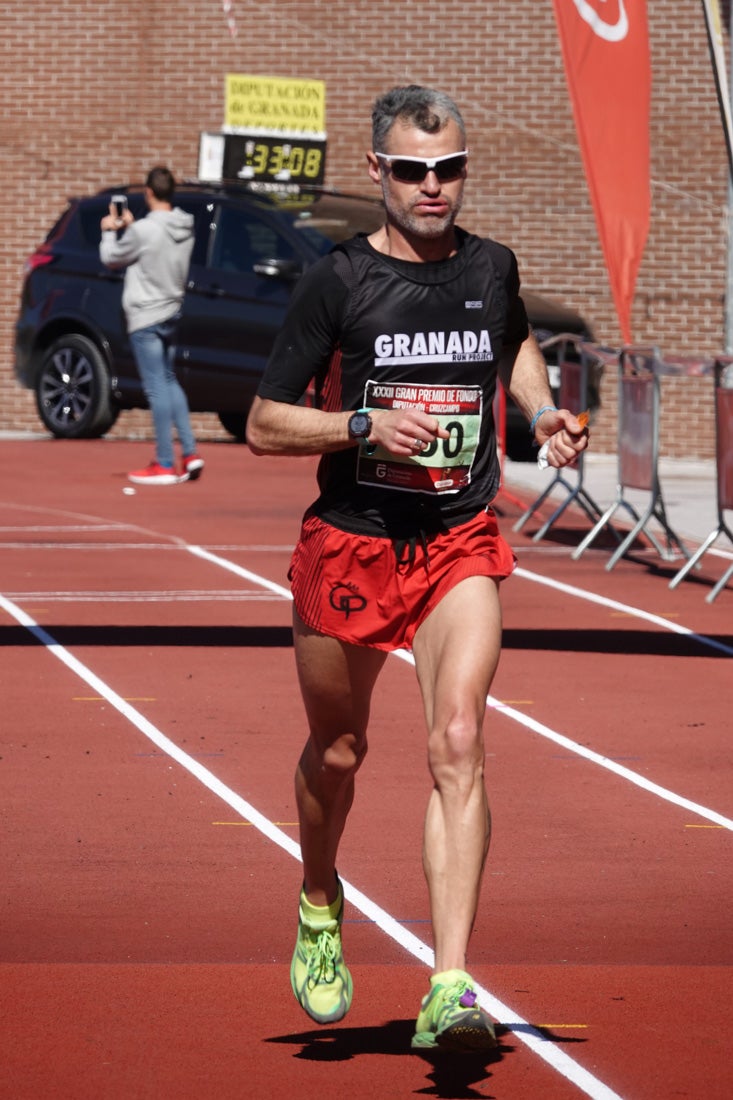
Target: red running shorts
352,587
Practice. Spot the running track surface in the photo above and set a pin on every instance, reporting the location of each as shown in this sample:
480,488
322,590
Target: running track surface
150,727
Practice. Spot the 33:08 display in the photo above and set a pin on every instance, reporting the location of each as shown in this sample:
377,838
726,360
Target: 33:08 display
297,160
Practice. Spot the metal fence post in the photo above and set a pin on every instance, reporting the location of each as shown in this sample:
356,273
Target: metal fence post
574,387
638,454
724,467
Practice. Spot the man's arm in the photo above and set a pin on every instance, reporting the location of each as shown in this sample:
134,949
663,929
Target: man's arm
114,252
523,373
277,428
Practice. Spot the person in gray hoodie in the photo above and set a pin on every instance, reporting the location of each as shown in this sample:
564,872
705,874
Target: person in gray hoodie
155,253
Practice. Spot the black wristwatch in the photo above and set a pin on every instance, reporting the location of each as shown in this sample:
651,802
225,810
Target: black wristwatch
360,425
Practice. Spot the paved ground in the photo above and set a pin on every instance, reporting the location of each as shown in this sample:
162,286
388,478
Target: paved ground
688,490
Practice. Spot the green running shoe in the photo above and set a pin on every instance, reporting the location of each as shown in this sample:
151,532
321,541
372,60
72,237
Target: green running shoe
319,977
450,1018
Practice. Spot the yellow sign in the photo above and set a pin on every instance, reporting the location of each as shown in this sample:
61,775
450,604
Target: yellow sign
273,103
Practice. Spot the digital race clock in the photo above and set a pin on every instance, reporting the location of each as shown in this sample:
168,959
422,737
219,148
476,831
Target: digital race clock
274,158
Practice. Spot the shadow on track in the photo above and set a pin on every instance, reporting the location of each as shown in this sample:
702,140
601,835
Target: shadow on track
622,642
452,1075
655,643
234,637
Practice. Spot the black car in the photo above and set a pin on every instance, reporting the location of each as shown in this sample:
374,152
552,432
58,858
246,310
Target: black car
251,245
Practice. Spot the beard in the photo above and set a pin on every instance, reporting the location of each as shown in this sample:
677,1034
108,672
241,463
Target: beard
424,226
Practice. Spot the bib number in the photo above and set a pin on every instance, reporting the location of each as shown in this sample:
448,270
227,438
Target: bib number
444,466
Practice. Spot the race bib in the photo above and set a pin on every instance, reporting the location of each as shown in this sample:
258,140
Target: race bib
444,466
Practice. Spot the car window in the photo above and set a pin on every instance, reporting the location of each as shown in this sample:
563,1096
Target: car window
90,215
242,240
203,216
321,237
328,222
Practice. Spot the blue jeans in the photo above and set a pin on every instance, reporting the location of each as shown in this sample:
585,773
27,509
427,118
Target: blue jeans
155,353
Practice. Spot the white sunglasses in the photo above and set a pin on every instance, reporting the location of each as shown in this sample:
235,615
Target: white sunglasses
415,169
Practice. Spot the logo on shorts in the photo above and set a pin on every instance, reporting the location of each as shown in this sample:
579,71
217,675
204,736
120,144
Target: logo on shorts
343,598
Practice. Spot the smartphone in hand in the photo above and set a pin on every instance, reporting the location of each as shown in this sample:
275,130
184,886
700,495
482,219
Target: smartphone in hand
120,204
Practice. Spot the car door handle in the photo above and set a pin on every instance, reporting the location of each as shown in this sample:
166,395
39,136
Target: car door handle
213,290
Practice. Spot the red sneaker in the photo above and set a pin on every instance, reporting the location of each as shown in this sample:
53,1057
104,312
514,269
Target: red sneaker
155,474
192,466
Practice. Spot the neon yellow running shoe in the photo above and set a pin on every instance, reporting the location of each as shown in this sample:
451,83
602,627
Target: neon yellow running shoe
320,979
450,1017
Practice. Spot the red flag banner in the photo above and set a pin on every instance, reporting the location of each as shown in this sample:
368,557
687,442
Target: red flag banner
605,48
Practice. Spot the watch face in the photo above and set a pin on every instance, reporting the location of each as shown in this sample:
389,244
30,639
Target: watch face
360,425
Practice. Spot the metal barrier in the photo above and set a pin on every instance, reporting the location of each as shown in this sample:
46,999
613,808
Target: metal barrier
724,462
638,454
574,395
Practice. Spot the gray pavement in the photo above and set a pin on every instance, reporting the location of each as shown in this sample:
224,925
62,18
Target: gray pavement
688,487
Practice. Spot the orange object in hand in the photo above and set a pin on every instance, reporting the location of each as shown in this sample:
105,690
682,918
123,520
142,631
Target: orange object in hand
583,419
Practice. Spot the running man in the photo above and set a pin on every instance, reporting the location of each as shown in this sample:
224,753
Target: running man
406,332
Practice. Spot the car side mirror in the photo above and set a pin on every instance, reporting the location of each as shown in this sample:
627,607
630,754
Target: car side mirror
289,270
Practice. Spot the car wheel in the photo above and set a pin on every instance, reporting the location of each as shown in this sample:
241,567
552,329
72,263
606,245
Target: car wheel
235,424
73,392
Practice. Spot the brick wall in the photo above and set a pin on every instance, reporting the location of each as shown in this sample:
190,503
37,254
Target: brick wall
90,98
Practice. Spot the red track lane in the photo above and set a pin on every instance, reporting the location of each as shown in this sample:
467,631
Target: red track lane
146,927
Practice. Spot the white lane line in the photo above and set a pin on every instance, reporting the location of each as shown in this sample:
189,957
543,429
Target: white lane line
611,765
88,547
636,612
174,547
67,528
598,758
238,570
525,1032
170,595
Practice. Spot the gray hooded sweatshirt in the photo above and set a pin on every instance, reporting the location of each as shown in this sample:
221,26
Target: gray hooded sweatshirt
156,253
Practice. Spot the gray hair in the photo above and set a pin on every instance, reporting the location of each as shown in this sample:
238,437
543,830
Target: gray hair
413,105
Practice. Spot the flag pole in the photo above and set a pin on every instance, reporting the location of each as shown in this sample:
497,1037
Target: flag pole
714,24
729,218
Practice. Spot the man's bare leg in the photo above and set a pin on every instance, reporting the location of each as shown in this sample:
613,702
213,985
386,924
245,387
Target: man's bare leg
456,653
336,682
